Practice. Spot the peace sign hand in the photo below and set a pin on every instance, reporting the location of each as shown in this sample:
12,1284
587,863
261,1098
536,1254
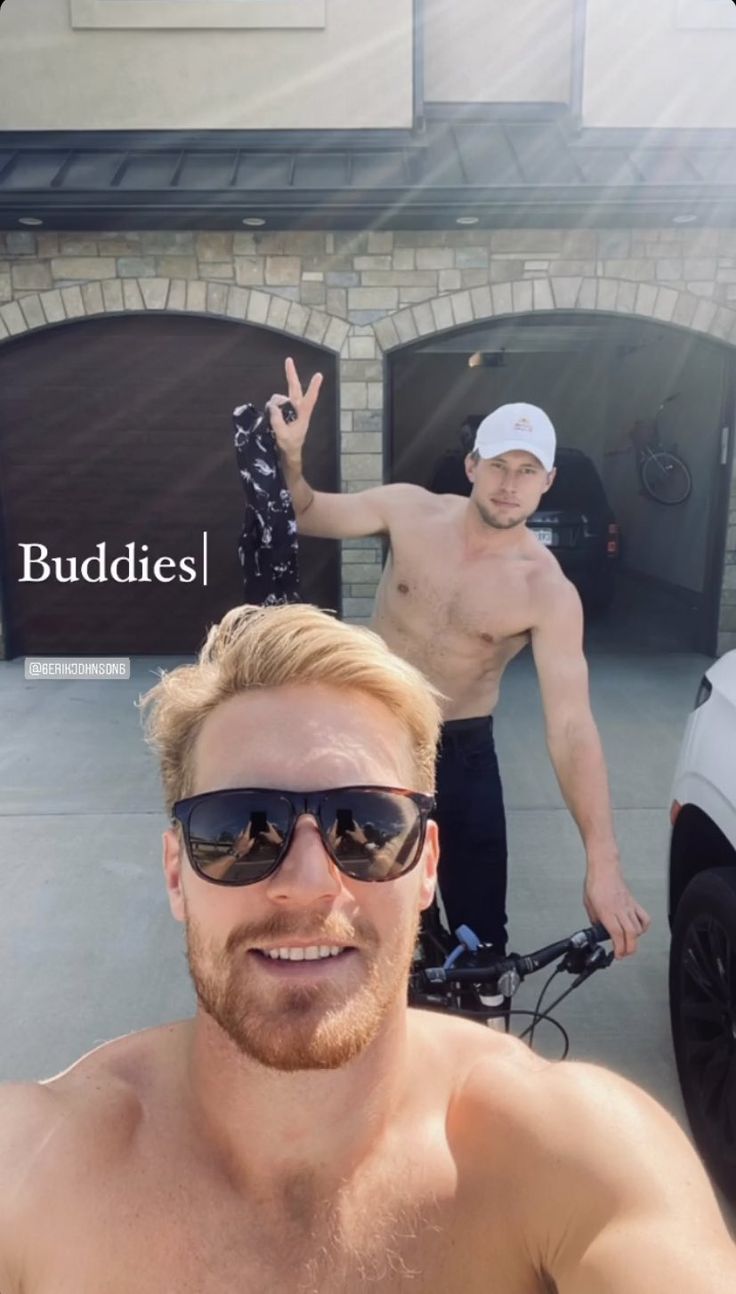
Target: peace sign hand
290,436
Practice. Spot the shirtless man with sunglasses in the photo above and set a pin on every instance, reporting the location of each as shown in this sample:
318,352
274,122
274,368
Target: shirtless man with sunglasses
466,587
307,1132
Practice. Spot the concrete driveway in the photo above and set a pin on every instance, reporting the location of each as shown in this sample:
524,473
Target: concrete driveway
88,950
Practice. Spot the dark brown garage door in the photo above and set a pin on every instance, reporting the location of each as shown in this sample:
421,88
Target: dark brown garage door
118,431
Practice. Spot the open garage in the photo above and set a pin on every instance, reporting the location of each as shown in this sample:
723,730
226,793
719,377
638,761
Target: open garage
603,381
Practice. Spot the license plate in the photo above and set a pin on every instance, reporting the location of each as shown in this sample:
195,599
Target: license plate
545,537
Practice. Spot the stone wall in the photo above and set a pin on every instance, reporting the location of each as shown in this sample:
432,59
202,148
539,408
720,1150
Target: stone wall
362,295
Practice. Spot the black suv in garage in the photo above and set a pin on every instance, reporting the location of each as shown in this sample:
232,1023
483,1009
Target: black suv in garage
575,520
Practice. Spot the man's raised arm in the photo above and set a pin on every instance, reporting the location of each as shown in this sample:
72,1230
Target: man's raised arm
327,516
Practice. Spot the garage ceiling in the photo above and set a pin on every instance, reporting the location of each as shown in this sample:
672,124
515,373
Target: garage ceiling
544,334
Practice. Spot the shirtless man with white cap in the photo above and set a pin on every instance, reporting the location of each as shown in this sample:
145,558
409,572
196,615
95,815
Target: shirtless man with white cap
466,586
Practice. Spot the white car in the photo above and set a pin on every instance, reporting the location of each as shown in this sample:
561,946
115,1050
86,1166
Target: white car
702,910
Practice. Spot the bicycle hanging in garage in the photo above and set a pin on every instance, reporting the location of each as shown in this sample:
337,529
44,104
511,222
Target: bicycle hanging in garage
664,476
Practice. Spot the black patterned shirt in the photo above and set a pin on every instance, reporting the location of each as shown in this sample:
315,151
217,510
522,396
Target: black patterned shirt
268,546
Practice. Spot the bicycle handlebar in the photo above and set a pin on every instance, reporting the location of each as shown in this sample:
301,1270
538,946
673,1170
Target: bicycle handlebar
514,967
587,938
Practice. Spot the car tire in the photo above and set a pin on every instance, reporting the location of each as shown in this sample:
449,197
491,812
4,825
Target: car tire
702,982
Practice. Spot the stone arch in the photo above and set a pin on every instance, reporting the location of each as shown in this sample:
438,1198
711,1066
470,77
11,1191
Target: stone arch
648,301
204,297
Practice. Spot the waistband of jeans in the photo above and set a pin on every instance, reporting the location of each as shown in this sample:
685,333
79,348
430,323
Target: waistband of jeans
459,727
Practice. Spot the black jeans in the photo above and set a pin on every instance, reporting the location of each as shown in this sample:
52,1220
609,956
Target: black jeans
472,830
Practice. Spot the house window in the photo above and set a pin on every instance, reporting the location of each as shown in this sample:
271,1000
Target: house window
705,13
190,14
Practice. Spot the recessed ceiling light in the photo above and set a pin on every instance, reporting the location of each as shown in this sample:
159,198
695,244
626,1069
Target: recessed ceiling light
467,220
29,220
684,220
488,359
253,220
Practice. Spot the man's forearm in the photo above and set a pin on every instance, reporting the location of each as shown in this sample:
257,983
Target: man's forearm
577,757
302,494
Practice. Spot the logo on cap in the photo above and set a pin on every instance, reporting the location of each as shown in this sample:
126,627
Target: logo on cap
524,426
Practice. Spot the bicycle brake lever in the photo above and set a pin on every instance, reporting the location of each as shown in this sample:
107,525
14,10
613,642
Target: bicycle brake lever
600,957
581,961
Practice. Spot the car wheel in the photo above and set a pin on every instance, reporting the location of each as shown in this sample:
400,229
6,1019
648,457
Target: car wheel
703,1015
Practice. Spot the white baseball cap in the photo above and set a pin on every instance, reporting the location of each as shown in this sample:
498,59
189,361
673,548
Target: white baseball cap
517,426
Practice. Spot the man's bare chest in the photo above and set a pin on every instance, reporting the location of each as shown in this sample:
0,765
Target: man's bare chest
152,1244
427,1266
427,1255
486,602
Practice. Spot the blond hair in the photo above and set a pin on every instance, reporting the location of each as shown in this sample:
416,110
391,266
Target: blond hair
257,647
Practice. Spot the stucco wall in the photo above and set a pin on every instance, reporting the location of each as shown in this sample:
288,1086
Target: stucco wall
498,51
664,63
354,72
363,295
217,64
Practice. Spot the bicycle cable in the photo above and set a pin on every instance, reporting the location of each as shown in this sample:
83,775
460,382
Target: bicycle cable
538,1007
545,1014
482,1017
550,1019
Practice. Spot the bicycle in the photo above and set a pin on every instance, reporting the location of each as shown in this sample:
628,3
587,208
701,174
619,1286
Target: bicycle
663,475
456,985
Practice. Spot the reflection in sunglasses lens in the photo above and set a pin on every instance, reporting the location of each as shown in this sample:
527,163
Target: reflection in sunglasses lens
235,838
374,837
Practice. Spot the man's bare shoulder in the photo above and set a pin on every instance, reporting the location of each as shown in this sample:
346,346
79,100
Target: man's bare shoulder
567,1112
544,569
89,1113
583,1143
62,1138
483,1068
552,593
411,510
587,1164
569,1109
405,497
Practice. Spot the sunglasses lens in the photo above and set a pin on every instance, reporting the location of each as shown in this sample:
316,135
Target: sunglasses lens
235,837
374,835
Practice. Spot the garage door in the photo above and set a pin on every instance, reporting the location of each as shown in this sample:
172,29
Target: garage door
118,432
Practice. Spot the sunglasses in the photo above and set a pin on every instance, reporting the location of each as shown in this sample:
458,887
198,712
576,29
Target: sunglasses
240,836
